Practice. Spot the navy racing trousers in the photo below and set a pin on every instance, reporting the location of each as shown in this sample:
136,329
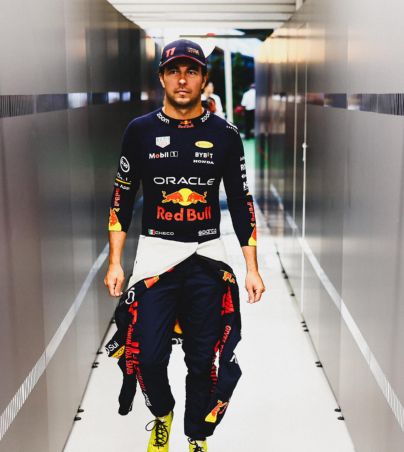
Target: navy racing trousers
194,298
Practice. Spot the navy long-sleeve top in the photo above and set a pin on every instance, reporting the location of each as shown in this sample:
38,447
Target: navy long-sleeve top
180,164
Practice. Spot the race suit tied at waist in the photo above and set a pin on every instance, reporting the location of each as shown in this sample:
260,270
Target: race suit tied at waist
225,369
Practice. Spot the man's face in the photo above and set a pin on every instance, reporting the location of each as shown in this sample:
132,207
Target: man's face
183,81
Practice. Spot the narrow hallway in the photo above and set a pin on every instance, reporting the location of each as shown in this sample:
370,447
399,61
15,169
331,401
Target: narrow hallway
283,402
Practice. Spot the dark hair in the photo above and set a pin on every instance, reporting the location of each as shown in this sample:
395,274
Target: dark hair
204,68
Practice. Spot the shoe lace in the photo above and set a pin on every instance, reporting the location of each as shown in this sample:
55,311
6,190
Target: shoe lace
197,447
161,432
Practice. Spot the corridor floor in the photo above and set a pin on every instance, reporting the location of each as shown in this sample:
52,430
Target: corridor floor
283,402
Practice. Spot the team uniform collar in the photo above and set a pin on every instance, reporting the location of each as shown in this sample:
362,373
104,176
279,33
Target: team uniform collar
183,123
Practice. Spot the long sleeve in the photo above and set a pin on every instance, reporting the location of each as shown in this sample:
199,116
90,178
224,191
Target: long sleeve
239,199
126,183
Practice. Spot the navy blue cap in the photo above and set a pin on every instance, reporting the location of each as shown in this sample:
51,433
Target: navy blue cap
183,48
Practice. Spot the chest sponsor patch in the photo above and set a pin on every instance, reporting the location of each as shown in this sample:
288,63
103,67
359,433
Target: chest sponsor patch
204,144
162,155
124,164
204,157
202,232
162,142
193,180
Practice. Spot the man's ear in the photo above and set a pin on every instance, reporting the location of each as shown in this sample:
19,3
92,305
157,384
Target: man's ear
204,80
161,77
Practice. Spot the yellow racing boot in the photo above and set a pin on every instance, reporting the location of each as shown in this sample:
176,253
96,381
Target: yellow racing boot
160,433
197,446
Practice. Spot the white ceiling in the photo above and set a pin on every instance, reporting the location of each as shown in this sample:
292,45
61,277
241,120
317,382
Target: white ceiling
207,14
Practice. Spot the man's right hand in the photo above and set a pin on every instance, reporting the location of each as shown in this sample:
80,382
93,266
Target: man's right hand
114,280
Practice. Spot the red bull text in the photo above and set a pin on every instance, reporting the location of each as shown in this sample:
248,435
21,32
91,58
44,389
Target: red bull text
184,197
189,214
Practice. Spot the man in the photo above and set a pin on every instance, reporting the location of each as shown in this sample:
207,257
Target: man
208,92
248,102
180,153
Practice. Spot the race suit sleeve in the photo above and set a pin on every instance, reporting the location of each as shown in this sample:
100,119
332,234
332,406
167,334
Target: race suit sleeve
126,183
239,199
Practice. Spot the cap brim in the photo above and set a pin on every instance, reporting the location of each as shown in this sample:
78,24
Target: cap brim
182,56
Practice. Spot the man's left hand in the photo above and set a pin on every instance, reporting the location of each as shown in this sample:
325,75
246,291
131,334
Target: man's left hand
254,286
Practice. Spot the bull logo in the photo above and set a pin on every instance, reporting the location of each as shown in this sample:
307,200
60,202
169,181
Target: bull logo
252,241
227,276
218,409
186,124
114,224
184,197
